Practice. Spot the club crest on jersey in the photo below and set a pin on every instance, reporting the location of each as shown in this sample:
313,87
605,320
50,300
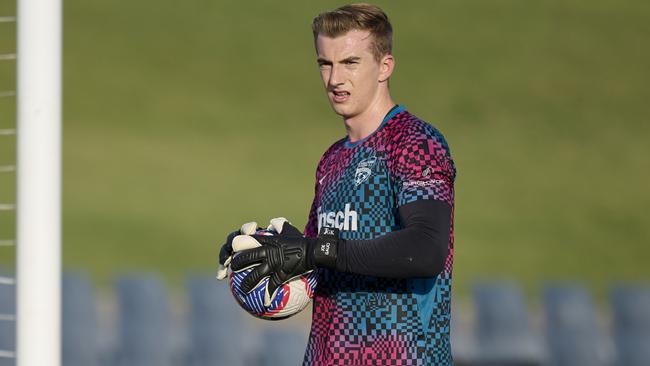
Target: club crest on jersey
364,170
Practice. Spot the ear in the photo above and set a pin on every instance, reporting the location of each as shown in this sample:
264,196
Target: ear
386,67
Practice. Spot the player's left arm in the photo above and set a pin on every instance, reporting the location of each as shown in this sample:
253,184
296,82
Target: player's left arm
419,249
423,175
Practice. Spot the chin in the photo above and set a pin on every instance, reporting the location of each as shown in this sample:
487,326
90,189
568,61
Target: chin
342,110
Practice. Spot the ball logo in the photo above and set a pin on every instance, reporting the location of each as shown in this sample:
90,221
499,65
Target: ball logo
364,170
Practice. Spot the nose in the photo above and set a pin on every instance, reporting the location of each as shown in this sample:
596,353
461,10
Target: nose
336,76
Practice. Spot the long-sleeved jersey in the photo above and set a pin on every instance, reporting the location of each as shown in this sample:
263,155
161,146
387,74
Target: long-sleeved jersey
366,320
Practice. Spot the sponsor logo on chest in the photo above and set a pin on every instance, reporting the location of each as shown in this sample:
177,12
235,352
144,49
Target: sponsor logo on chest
347,219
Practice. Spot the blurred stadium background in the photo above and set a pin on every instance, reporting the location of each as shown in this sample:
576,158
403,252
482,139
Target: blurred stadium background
183,120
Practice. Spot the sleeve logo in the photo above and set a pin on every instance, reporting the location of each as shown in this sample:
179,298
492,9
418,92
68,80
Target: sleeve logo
423,183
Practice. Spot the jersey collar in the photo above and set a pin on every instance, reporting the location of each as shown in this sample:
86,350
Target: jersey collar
398,108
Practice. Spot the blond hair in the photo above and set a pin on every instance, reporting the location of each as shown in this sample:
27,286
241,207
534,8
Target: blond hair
365,17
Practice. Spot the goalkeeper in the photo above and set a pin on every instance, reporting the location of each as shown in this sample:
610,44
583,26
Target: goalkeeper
384,208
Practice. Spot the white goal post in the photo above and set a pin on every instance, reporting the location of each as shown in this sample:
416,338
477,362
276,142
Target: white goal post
38,206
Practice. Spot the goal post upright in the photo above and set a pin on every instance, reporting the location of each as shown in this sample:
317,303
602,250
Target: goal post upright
38,189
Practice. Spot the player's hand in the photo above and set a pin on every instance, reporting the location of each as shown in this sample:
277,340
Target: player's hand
281,257
225,254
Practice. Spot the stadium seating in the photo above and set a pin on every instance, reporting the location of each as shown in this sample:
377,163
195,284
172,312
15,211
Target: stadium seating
7,325
503,329
217,325
631,315
572,332
144,322
79,322
462,339
209,329
282,346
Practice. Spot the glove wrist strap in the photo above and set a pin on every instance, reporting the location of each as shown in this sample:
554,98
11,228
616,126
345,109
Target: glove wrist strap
326,249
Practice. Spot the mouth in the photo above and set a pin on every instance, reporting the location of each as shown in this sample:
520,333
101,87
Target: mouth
340,96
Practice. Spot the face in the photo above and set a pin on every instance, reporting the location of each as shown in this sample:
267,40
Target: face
352,77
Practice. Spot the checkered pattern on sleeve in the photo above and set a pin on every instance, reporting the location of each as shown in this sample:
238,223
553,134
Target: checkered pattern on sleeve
421,164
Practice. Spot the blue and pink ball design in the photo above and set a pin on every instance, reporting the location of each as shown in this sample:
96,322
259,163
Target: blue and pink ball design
289,299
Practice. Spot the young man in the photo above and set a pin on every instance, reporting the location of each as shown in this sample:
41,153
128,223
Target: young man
384,206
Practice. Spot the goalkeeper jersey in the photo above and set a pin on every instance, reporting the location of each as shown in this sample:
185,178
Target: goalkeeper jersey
364,320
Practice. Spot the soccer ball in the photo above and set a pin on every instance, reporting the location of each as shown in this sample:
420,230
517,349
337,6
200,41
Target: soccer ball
289,299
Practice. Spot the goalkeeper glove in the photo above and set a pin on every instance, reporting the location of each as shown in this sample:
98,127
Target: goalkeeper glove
225,254
282,257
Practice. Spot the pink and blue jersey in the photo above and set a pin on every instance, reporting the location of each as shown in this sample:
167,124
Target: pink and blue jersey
363,320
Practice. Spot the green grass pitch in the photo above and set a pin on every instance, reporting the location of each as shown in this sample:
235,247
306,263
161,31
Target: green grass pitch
185,119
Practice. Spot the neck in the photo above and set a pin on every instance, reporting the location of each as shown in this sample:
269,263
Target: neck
364,124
